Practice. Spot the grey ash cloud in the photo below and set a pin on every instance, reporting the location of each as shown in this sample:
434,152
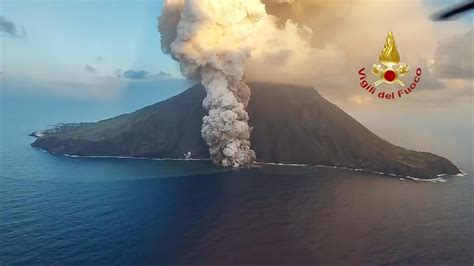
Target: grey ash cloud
140,74
10,29
279,57
168,22
453,58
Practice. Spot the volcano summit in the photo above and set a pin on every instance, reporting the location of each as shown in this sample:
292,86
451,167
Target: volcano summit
291,124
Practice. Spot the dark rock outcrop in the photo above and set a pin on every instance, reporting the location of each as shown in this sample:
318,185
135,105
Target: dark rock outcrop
291,124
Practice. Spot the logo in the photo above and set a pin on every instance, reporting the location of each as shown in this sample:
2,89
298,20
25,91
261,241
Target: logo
390,58
389,71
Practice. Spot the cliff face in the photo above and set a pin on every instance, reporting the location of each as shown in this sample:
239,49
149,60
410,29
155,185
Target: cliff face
291,124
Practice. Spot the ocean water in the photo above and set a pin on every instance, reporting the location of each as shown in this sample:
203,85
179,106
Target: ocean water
62,210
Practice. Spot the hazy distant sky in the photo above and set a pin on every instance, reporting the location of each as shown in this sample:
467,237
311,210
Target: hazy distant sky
63,37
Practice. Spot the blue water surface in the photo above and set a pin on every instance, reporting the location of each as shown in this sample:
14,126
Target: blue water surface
62,210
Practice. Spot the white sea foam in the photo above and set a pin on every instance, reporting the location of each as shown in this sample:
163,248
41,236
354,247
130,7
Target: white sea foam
402,178
283,164
120,157
39,133
462,173
434,180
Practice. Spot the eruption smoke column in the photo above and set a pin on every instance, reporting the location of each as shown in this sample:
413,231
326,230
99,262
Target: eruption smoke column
212,41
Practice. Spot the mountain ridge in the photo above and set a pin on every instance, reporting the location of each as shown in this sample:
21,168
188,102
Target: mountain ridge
291,124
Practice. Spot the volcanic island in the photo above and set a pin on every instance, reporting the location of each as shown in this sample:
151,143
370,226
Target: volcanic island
291,125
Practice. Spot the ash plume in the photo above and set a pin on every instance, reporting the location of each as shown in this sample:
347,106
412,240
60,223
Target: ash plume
211,40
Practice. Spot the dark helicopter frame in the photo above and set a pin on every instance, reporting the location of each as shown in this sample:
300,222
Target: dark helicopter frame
452,12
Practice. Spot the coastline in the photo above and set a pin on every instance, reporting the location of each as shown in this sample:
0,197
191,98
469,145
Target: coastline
438,179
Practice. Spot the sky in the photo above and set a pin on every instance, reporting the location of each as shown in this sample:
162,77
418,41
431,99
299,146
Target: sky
90,49
81,49
63,37
74,39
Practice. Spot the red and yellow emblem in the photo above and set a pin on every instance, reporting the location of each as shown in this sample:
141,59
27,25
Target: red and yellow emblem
390,58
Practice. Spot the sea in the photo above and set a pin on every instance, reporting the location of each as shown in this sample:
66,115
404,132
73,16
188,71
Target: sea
58,210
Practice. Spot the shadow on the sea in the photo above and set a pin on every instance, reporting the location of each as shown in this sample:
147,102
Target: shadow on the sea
264,216
175,214
272,214
269,215
213,218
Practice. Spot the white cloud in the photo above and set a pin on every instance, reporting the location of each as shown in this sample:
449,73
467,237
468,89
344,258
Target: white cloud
328,55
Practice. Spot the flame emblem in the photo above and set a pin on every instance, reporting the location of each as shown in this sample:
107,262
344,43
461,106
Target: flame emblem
390,58
389,55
